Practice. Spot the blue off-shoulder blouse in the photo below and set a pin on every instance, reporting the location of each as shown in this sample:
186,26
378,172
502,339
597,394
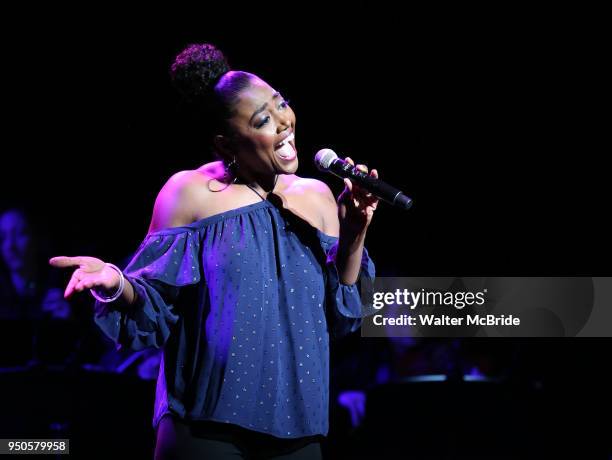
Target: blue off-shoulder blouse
243,304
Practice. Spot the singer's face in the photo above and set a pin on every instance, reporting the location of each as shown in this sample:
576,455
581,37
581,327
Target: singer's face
263,131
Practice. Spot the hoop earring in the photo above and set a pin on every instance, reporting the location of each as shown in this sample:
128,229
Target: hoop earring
232,169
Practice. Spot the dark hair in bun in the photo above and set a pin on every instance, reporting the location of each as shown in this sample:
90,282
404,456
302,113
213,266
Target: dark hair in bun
197,69
209,88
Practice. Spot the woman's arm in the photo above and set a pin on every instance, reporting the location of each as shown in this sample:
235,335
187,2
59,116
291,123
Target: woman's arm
349,219
94,273
172,209
348,258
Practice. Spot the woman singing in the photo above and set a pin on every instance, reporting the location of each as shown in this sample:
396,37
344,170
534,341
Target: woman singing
246,272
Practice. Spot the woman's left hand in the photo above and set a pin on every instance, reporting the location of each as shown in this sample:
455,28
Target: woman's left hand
356,206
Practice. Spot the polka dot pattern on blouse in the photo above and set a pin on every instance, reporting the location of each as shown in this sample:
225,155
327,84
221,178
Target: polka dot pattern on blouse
243,303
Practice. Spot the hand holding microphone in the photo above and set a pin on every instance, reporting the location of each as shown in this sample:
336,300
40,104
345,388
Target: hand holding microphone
326,160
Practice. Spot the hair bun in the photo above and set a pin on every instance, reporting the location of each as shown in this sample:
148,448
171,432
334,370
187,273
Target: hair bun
197,69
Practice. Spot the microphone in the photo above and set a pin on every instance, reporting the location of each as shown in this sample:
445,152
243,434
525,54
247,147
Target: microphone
326,160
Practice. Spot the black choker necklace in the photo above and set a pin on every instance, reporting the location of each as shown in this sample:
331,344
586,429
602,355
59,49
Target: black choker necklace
260,196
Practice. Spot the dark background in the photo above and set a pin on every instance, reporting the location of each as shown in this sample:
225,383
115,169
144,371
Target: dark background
491,126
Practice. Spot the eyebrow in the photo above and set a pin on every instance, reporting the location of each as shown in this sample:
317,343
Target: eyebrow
263,107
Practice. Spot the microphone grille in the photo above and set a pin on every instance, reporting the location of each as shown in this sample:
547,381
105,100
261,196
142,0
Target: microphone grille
324,158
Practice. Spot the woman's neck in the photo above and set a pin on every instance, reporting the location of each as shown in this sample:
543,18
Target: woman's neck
262,183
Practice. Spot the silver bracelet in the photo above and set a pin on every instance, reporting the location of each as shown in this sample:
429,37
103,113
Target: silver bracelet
117,294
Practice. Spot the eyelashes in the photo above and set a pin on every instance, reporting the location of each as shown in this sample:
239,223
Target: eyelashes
263,122
285,103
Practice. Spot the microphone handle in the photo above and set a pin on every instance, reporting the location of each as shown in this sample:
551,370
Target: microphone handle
377,187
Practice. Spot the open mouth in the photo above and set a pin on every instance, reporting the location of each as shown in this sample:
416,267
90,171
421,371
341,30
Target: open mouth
286,149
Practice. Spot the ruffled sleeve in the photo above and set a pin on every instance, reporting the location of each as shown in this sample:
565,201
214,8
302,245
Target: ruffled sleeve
344,303
164,262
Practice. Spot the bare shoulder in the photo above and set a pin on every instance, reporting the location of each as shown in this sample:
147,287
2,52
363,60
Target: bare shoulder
320,199
180,196
313,188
